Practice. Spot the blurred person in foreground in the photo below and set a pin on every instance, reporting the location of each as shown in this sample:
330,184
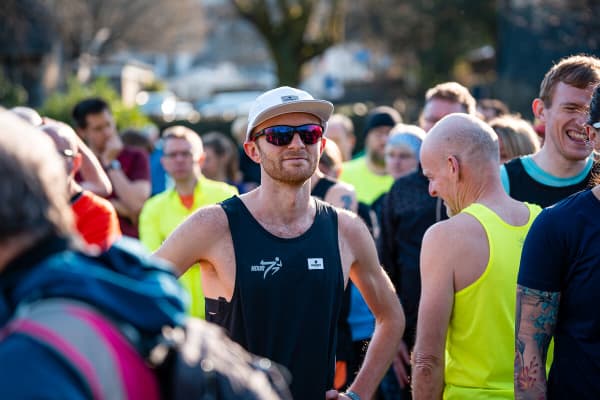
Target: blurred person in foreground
127,167
464,345
39,266
563,165
407,212
558,292
516,137
96,219
183,156
275,260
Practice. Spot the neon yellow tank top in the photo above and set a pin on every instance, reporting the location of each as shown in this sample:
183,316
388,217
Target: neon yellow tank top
481,339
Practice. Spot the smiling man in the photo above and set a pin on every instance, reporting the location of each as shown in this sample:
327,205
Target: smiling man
465,328
563,166
275,260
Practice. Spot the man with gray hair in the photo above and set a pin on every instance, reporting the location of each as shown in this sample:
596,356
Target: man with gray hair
465,328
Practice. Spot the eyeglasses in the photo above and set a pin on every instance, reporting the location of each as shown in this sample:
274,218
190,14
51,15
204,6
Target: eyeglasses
174,154
67,153
282,135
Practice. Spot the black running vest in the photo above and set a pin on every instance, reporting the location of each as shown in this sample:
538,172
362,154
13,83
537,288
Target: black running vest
524,188
287,296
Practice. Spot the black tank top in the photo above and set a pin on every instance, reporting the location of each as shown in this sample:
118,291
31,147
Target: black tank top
287,296
322,187
524,188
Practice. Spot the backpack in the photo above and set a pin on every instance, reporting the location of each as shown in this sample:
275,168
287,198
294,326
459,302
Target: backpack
196,361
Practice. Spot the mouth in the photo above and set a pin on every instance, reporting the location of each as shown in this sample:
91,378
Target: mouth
578,136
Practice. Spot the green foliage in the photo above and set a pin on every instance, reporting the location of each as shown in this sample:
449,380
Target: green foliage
60,104
155,86
11,94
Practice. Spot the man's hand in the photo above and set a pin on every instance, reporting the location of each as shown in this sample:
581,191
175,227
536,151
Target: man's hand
334,394
400,364
114,145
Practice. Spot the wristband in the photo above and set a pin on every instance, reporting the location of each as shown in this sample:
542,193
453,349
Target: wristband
113,165
352,395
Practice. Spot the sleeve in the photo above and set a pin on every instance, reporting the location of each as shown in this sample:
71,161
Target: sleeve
148,226
29,371
104,227
544,254
140,167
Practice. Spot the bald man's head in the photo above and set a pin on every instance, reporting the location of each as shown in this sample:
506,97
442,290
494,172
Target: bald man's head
467,137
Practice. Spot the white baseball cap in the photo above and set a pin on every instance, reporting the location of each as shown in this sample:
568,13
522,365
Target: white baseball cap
285,100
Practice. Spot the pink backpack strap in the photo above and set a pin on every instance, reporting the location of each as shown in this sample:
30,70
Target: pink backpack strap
106,362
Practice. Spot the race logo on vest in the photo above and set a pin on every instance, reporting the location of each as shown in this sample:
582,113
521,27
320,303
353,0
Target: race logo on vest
267,267
315,263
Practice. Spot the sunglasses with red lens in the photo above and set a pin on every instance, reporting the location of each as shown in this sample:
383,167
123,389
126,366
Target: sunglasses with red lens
282,135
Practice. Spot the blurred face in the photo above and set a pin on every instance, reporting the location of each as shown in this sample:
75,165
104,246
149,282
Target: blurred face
99,129
566,136
375,143
441,184
213,163
436,109
178,159
400,161
344,140
294,163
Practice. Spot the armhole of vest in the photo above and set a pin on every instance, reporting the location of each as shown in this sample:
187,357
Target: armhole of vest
491,250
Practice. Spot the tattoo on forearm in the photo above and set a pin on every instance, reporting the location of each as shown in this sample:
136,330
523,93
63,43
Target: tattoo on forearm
536,316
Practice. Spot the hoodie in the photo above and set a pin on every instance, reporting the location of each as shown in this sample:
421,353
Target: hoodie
123,283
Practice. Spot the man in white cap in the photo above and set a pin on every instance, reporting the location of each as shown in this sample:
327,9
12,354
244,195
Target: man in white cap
275,260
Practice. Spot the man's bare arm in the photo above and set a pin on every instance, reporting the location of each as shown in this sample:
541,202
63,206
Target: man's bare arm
192,241
95,179
534,326
435,308
378,292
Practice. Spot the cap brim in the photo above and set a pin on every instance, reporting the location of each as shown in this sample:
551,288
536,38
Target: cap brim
321,109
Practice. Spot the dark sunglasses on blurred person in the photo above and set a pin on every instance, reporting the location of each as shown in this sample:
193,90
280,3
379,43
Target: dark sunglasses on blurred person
282,135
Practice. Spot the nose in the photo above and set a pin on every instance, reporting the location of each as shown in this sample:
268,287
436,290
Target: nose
296,141
432,191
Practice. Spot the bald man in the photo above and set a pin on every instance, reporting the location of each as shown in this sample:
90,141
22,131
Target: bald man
96,219
469,264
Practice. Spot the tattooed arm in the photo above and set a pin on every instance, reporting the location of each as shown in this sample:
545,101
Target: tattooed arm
535,322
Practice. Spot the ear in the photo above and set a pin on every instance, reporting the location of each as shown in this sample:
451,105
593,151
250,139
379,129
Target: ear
202,159
77,161
538,108
453,167
251,150
592,134
323,142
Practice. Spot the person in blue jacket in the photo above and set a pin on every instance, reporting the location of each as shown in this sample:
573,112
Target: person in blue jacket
39,260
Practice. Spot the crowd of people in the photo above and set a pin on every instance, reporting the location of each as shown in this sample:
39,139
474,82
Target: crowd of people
454,258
